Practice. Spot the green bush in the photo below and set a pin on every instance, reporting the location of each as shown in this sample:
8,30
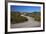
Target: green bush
37,18
16,18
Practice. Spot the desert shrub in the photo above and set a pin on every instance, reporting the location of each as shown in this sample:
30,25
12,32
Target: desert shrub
33,15
37,18
20,19
16,18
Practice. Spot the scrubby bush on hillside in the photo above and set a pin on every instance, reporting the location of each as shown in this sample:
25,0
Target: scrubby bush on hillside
37,18
17,18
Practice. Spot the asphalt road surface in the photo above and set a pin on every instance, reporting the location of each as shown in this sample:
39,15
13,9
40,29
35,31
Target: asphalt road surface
28,24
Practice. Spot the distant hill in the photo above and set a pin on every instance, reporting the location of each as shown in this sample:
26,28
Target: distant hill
36,13
27,13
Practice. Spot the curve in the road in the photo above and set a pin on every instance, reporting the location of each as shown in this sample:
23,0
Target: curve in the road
30,23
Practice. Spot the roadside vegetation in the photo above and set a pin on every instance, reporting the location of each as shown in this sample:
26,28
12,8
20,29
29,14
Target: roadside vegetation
17,18
35,15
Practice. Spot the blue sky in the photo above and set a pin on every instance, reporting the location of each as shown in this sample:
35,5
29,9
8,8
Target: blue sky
25,8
